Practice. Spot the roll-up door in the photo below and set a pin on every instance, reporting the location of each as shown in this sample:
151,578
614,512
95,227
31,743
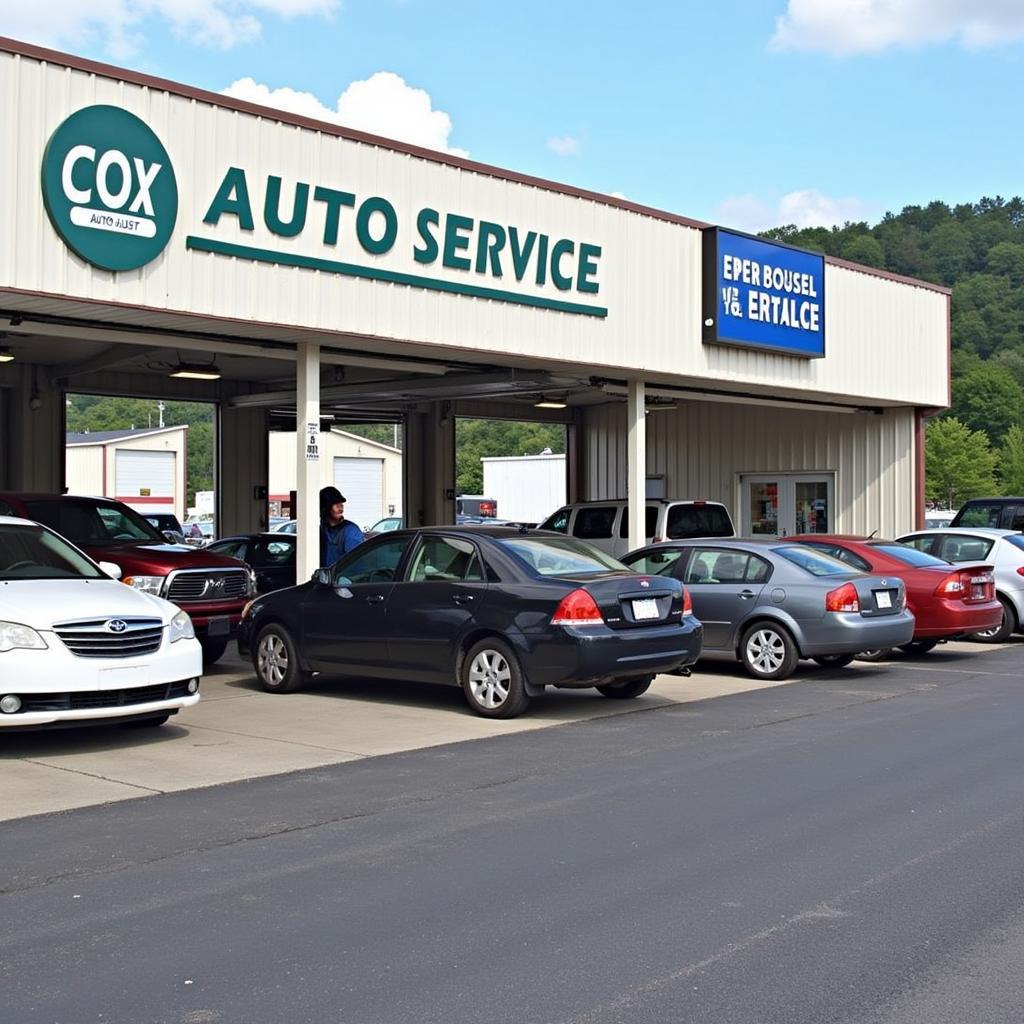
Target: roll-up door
362,483
145,480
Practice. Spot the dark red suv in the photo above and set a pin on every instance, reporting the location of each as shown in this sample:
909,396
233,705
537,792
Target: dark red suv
213,589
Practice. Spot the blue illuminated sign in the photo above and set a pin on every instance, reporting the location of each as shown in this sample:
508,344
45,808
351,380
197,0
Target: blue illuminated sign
761,294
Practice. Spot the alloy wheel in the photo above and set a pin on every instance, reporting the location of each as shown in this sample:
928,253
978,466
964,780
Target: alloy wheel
766,650
489,679
272,659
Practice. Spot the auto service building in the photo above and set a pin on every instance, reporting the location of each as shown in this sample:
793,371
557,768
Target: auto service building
316,274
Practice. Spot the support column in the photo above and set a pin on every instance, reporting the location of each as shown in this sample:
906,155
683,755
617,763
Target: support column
636,461
307,464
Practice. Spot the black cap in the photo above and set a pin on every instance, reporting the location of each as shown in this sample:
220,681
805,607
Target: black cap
330,496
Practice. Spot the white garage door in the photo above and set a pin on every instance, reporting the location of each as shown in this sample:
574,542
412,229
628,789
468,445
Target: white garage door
362,483
145,480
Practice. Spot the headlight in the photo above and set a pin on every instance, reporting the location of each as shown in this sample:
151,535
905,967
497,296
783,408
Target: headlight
147,584
181,628
14,636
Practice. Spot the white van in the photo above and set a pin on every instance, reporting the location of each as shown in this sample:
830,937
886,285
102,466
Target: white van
605,524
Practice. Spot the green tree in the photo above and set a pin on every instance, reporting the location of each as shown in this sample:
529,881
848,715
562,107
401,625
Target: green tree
959,464
476,439
864,249
1011,461
988,398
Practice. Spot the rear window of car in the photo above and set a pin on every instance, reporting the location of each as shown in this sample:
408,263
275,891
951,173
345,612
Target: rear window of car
815,562
1017,542
555,557
909,556
558,522
698,521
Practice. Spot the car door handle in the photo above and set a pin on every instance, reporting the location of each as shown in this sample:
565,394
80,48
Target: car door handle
375,599
747,594
462,598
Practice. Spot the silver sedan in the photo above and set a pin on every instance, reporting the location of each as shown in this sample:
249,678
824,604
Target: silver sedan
770,602
1003,549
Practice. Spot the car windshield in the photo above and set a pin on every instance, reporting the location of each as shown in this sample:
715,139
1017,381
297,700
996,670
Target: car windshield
88,522
815,562
552,556
909,556
29,552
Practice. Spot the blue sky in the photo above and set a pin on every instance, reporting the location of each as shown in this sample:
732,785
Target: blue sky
750,113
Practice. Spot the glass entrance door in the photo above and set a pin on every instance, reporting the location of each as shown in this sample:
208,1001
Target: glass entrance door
781,504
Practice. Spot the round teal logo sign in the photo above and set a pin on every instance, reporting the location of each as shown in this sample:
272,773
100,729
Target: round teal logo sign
109,188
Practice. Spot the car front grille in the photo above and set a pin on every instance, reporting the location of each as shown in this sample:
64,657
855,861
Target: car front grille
207,585
91,699
111,638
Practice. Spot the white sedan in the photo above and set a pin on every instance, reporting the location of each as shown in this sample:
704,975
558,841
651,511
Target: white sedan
76,646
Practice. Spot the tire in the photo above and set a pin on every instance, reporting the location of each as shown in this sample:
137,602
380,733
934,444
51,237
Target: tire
1002,632
919,646
835,660
213,650
882,654
149,723
768,651
492,680
627,689
276,661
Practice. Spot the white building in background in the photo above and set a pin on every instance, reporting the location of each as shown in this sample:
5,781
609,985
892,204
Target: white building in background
144,468
527,488
367,473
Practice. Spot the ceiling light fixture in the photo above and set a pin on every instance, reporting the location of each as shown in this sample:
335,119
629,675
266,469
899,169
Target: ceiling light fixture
195,371
550,402
6,355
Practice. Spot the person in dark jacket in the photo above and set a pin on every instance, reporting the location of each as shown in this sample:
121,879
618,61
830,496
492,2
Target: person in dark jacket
338,535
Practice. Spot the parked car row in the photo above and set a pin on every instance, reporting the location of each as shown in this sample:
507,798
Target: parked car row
503,611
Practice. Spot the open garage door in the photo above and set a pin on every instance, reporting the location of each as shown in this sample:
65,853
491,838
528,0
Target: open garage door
145,480
362,482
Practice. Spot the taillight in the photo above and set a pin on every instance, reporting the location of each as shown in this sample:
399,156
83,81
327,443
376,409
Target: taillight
967,586
687,602
577,609
842,599
1020,571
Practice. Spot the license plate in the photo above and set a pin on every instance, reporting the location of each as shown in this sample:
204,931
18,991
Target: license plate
646,608
883,599
220,626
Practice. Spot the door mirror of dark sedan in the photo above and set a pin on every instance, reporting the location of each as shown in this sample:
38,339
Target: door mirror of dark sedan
322,576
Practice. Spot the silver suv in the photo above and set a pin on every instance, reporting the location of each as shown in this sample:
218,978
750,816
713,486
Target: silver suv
605,524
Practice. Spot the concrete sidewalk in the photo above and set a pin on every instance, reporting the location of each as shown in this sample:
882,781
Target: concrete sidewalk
238,732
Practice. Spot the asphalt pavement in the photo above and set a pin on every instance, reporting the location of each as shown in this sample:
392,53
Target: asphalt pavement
847,847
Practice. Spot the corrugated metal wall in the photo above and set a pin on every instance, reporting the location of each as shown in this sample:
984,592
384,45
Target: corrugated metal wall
702,448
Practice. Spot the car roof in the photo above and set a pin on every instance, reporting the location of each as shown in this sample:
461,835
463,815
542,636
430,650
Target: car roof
743,542
16,521
649,501
952,531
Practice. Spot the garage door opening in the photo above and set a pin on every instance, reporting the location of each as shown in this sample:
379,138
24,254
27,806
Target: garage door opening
155,456
520,466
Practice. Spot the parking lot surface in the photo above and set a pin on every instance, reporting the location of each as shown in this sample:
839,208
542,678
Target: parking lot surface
238,732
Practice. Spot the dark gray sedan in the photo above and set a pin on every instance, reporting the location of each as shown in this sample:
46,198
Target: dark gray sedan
770,602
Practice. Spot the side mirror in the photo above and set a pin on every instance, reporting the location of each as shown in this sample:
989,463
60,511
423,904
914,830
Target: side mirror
322,576
112,569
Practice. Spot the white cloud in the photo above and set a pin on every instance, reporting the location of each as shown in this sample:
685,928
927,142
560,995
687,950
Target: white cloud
564,145
120,25
806,208
843,27
383,104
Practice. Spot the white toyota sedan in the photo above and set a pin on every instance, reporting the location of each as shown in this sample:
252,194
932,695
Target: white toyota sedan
77,647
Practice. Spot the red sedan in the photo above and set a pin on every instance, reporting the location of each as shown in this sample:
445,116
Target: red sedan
946,599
